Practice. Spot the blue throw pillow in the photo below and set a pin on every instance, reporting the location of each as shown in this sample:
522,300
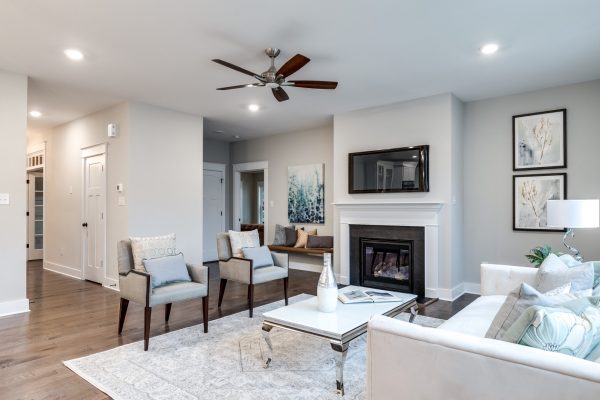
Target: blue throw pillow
260,256
165,270
571,328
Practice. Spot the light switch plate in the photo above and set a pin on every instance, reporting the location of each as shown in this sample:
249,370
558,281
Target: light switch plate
122,201
4,198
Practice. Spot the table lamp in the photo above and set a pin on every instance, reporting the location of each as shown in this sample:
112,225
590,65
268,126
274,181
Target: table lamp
572,214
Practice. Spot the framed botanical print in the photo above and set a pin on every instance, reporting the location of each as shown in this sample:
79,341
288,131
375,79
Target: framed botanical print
530,194
540,140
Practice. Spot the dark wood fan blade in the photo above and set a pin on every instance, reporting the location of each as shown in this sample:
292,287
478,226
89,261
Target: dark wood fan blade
241,86
235,67
293,65
280,94
314,84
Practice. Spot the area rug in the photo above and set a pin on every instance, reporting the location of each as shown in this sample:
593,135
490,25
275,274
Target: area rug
227,363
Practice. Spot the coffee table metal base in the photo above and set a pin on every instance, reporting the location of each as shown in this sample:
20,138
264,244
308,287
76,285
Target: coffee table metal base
340,347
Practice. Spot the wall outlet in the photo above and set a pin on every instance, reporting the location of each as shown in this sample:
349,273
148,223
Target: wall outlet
4,198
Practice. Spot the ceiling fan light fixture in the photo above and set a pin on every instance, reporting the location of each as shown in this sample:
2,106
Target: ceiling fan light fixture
253,107
272,85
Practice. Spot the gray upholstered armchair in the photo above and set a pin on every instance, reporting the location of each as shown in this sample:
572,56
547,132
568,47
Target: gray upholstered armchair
241,270
135,286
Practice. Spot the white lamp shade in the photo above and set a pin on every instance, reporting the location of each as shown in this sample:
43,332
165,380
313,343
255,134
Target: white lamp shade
573,213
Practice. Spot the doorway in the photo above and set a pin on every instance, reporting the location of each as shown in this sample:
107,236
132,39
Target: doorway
94,214
250,196
213,208
36,156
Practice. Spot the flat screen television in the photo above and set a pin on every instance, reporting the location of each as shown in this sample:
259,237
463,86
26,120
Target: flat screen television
403,169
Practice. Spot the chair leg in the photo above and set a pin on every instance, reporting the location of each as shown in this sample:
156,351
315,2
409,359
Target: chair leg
285,290
222,290
168,311
205,313
248,297
122,313
147,318
251,294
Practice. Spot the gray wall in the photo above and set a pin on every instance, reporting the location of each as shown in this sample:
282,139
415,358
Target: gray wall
297,148
13,127
165,175
249,182
64,188
216,151
488,173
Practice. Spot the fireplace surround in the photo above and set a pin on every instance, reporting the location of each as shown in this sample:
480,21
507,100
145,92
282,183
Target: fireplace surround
388,257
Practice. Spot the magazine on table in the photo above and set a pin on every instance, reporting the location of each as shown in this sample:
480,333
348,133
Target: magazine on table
353,295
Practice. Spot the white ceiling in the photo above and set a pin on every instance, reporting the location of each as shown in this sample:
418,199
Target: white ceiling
381,52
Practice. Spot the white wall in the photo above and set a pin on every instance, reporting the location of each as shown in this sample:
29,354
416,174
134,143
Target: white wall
488,173
64,188
165,175
433,121
13,127
297,148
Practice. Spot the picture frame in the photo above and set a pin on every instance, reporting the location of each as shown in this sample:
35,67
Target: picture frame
540,140
306,194
530,194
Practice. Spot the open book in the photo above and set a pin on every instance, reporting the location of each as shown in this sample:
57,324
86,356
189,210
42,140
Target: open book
353,295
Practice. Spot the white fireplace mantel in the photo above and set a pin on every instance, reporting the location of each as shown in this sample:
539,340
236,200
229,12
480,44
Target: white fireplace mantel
424,214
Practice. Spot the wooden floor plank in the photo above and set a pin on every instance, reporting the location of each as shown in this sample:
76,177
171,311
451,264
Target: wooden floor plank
71,318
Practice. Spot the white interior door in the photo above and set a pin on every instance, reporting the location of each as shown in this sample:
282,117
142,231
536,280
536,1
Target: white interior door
94,224
35,216
214,215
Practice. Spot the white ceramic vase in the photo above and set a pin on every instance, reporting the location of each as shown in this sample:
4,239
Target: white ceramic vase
327,290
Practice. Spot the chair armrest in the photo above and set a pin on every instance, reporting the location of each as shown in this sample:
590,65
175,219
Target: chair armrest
237,269
135,286
198,273
281,260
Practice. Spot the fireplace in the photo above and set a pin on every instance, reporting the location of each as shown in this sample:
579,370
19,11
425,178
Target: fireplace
386,264
388,257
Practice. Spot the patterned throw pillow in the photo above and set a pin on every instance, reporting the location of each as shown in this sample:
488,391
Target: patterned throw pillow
239,240
521,299
303,237
571,328
151,247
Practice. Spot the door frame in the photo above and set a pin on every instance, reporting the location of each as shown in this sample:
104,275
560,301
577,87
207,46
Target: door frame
220,168
86,152
237,182
38,149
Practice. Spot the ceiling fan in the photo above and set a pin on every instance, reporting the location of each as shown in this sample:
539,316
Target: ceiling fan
276,78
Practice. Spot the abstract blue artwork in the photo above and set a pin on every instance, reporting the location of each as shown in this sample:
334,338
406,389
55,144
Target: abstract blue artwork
306,194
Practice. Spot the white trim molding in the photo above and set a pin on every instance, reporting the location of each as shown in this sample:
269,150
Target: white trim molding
112,284
423,214
236,193
63,269
14,307
472,287
95,150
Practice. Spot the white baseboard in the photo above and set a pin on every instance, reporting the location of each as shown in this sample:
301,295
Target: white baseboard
111,283
305,266
63,269
14,307
451,294
472,287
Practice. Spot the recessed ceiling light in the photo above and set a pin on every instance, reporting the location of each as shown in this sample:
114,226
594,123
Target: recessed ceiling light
74,54
489,48
253,107
35,114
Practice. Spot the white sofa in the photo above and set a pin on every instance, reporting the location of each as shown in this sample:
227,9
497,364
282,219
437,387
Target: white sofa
456,361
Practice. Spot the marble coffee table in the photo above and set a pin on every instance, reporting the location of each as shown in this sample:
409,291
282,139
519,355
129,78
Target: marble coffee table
348,322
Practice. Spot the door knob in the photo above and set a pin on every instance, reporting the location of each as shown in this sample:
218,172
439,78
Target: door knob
84,224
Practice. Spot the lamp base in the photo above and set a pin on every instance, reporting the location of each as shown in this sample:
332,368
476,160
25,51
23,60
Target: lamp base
572,249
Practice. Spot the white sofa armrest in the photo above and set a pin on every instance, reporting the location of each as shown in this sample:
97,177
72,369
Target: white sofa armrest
501,279
429,363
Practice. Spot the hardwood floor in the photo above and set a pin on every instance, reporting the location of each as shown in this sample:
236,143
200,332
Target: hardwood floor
70,318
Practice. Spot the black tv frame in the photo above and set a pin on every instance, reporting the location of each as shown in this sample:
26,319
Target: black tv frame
423,168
